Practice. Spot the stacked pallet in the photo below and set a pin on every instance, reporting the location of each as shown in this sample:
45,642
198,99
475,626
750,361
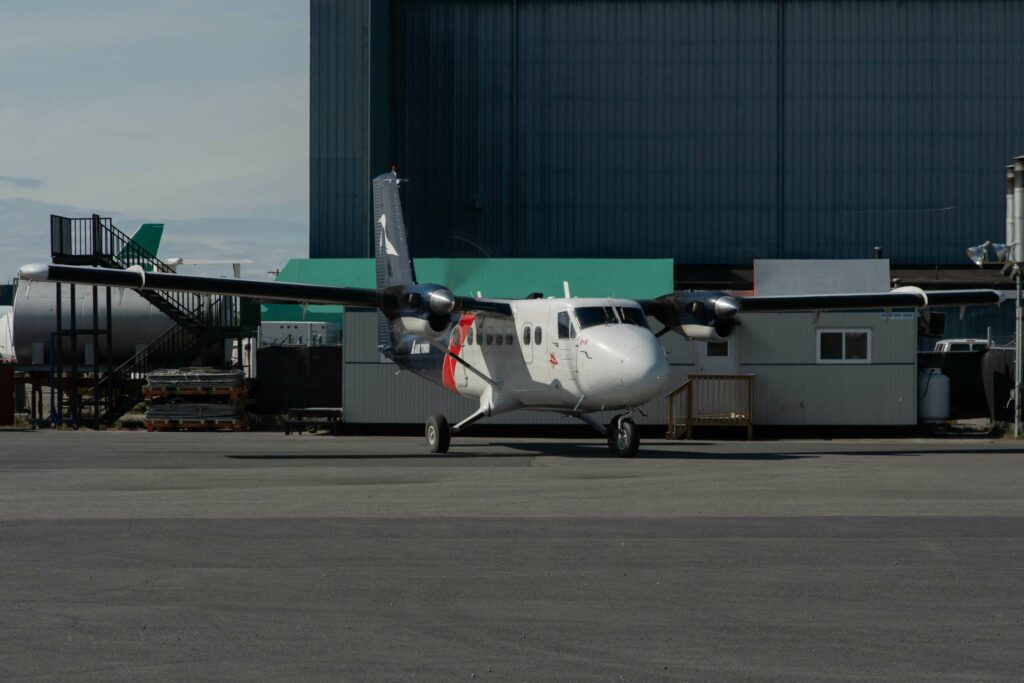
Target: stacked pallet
195,398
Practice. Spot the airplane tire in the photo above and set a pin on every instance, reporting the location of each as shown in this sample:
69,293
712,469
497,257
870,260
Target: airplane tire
439,434
624,439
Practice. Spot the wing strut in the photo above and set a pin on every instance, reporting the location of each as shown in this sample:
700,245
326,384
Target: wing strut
458,359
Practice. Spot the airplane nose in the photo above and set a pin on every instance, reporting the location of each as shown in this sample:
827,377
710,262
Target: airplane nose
644,371
621,365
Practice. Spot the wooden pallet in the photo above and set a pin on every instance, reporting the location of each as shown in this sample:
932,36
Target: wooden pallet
232,424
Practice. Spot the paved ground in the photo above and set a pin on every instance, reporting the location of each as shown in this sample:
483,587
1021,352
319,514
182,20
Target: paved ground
135,556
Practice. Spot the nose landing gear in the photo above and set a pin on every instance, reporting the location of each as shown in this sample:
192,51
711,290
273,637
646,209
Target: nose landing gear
623,437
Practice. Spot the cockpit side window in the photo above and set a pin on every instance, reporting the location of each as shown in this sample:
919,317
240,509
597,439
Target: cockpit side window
564,326
632,316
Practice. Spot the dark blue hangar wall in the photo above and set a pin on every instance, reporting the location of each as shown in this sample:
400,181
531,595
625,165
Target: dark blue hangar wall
709,132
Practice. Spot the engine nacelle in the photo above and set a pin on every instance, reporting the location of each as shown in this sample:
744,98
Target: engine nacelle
430,326
717,332
700,315
421,310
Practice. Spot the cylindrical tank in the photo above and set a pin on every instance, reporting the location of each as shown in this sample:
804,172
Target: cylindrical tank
1018,209
932,396
1011,224
135,321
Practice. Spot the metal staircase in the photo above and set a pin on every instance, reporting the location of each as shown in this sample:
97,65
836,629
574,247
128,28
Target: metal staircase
202,320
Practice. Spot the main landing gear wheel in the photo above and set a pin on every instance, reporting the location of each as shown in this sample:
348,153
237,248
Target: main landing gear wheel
623,437
439,434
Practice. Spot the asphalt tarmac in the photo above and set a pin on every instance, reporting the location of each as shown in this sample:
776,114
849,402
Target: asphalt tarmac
136,556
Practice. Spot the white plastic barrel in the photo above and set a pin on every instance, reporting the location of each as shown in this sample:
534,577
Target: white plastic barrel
932,396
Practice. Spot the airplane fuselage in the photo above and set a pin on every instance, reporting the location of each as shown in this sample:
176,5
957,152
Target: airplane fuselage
573,355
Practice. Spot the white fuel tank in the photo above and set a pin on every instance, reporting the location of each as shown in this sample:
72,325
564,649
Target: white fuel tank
135,321
932,396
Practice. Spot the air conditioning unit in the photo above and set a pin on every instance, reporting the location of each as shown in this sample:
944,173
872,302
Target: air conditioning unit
299,333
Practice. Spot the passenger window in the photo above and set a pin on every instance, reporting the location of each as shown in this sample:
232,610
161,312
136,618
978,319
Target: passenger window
497,339
469,336
563,325
536,336
490,338
526,335
510,339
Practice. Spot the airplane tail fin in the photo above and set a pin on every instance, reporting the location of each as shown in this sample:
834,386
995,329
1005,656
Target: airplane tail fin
148,237
394,263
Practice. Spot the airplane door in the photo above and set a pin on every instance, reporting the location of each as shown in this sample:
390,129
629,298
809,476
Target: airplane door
562,347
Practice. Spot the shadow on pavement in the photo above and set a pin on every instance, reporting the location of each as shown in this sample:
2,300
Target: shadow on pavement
601,451
902,452
504,450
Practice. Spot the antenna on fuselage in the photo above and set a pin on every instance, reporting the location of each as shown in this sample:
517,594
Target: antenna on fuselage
565,286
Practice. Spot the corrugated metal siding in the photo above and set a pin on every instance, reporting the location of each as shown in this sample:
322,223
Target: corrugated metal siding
452,131
338,170
688,130
639,122
791,388
581,129
898,126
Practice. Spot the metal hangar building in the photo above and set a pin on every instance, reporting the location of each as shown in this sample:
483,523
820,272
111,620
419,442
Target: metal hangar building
712,133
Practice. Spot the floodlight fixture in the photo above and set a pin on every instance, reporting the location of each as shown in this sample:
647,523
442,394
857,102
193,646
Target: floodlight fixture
1002,252
979,254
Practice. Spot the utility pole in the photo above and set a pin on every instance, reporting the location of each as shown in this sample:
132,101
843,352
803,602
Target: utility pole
1017,360
1016,253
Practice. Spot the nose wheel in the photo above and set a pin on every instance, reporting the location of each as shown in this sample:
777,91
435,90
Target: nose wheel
623,437
439,434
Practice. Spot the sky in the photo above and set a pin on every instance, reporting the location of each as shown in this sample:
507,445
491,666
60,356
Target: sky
186,112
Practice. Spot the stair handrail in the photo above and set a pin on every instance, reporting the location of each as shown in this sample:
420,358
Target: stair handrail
673,431
98,241
742,416
175,342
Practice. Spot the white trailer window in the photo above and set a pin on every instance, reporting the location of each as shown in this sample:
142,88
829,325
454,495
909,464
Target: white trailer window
844,346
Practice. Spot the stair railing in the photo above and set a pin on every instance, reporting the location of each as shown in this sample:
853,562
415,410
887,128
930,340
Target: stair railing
712,401
175,346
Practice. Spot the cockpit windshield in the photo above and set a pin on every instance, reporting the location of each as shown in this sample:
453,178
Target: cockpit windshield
632,316
596,315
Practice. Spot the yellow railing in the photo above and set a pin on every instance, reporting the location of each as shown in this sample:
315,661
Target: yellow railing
711,401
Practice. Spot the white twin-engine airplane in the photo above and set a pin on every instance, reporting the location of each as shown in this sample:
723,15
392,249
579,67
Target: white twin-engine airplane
573,356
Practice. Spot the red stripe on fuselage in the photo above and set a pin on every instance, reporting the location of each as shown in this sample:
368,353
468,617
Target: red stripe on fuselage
455,348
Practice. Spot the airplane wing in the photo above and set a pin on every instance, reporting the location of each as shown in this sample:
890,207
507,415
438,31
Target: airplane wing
713,315
136,278
910,297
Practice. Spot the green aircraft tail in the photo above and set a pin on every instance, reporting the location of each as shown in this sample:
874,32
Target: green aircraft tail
148,237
